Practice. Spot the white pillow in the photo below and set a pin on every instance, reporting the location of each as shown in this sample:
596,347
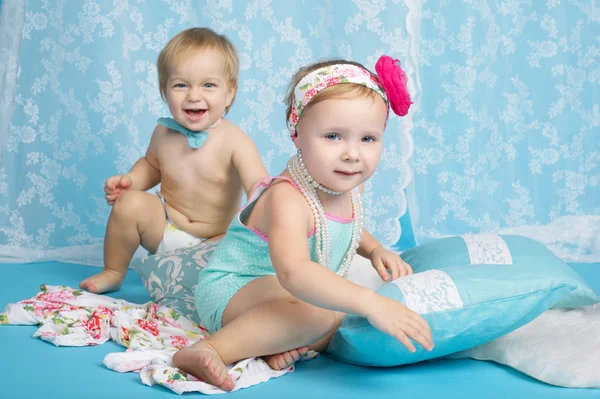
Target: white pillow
362,273
560,347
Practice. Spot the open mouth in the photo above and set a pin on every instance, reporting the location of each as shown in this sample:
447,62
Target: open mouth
195,113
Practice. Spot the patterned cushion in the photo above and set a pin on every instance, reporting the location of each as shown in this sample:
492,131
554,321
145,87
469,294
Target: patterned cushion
470,290
171,277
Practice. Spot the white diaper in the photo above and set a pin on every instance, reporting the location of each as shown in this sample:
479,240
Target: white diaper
174,237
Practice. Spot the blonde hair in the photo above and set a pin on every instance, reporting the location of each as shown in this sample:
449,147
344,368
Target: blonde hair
337,91
195,39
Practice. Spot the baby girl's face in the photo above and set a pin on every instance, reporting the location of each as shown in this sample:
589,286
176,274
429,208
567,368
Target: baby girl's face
341,140
197,90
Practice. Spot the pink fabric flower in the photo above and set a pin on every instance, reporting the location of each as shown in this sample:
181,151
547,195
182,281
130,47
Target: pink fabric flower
310,94
125,335
170,321
149,325
93,327
57,296
103,310
393,79
42,309
152,310
179,342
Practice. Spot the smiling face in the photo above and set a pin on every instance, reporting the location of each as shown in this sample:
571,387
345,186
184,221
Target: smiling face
341,140
197,89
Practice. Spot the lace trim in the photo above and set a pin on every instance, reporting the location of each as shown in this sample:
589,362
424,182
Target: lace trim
429,292
487,249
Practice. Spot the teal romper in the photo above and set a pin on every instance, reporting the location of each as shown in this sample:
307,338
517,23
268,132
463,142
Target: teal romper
243,255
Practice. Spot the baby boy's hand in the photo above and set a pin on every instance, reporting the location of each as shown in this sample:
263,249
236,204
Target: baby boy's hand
384,260
114,186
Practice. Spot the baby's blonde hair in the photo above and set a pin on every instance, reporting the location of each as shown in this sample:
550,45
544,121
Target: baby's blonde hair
195,39
337,91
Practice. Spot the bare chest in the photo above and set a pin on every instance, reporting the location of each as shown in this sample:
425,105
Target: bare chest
181,164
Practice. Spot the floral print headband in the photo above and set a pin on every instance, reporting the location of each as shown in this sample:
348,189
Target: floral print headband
390,84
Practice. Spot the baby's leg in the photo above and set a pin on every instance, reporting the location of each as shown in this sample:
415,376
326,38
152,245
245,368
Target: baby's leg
286,359
136,218
263,292
261,319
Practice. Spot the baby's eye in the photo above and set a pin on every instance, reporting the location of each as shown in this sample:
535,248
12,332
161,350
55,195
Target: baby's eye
179,85
368,139
209,85
333,136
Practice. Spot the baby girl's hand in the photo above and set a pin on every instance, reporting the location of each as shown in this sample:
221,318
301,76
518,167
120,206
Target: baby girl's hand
395,319
114,186
384,260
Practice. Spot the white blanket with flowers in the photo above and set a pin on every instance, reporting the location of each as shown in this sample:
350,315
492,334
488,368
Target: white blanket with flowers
151,333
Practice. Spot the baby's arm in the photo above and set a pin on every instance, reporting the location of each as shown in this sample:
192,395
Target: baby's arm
382,259
246,160
145,173
367,244
288,220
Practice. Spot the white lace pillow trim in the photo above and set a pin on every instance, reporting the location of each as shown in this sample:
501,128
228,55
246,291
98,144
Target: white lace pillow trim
429,292
487,249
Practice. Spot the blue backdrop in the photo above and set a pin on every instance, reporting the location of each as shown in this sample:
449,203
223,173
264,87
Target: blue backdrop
504,134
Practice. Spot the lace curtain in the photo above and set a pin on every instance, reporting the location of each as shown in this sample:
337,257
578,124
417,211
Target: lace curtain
503,135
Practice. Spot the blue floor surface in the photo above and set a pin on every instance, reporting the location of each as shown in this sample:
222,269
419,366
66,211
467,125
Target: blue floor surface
31,368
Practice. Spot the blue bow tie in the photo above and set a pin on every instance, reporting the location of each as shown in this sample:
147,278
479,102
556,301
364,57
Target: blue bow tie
195,139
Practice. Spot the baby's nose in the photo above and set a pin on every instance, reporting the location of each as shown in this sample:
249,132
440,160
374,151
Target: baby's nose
195,95
351,154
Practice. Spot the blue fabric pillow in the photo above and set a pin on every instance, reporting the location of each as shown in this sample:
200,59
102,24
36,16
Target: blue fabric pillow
470,289
465,306
506,252
171,277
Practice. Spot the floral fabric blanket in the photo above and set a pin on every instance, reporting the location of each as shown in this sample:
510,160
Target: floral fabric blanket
150,332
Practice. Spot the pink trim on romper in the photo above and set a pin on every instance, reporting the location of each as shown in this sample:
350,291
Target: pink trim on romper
338,219
263,236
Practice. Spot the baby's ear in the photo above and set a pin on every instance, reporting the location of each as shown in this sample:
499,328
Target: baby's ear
230,95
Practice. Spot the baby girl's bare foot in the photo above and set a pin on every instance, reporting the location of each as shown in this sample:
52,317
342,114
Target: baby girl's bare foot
286,359
203,361
105,281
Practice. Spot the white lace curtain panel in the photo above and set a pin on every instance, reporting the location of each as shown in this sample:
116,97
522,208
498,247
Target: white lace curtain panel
503,135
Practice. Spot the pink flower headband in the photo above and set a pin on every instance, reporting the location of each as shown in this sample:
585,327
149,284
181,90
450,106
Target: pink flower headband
391,86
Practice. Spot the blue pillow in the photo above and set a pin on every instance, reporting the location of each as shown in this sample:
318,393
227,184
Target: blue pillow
171,277
504,251
465,306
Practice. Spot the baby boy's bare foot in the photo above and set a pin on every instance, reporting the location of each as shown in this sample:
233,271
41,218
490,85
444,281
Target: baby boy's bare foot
203,361
286,359
105,281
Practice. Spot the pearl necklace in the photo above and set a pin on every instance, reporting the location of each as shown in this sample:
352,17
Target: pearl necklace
308,188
